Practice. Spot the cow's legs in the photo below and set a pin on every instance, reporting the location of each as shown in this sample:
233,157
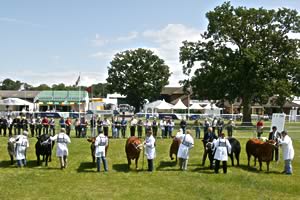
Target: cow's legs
11,159
38,159
136,163
268,162
237,156
129,162
260,164
232,159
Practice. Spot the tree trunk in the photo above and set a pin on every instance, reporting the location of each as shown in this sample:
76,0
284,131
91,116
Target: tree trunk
246,112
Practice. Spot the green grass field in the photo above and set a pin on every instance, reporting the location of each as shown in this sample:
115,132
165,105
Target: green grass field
81,181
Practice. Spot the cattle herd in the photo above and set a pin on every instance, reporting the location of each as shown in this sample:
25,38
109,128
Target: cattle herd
261,151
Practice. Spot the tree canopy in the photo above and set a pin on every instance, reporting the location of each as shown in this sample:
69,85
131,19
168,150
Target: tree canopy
245,53
139,74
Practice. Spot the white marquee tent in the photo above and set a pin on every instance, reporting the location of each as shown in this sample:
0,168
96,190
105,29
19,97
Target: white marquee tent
14,102
179,105
196,106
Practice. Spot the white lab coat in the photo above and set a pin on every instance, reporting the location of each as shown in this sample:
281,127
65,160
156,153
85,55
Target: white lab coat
62,144
222,147
100,143
150,147
22,144
187,143
287,148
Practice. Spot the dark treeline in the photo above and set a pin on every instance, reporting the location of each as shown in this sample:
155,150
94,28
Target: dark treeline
96,90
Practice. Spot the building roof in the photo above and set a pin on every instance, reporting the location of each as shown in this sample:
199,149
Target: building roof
61,96
172,90
25,94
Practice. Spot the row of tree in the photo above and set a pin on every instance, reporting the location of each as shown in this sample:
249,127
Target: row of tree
95,90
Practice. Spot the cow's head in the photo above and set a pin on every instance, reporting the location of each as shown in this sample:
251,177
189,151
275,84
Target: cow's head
137,145
92,139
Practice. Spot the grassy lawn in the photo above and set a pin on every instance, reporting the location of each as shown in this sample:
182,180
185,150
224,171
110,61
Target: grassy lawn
81,181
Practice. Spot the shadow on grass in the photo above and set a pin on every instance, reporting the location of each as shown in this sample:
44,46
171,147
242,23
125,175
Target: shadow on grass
87,167
254,169
29,164
120,167
164,166
204,170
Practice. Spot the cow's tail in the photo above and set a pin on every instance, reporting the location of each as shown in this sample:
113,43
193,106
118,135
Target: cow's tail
171,154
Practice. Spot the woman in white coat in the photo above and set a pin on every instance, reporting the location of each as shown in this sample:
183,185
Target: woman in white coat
150,149
287,151
221,147
22,144
62,147
100,143
187,143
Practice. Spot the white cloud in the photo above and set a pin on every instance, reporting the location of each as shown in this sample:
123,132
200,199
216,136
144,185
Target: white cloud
101,41
130,36
18,21
167,45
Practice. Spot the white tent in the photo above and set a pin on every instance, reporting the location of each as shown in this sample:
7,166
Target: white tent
196,106
179,105
164,106
149,107
16,102
211,107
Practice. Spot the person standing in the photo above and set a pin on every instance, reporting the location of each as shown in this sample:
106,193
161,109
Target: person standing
214,125
38,126
183,125
222,148
133,123
52,126
68,124
45,123
154,127
287,151
150,149
230,126
275,135
77,127
83,127
162,125
99,125
22,144
123,127
206,126
106,124
62,122
100,143
32,125
187,143
208,137
259,128
3,125
9,125
93,124
62,151
220,124
197,126
140,128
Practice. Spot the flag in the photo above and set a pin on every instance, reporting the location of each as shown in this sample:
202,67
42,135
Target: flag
22,87
89,89
78,80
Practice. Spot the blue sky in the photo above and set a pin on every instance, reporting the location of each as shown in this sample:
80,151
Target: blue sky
52,41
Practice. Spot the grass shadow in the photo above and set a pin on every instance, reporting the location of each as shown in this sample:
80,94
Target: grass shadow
86,167
120,167
164,166
204,170
7,164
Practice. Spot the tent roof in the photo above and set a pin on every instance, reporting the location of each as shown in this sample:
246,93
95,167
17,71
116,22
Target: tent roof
211,107
152,104
179,105
164,105
14,101
196,106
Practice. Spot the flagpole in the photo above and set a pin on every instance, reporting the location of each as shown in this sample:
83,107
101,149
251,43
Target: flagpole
79,96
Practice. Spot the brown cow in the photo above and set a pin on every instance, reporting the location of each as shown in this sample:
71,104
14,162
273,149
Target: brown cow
133,148
174,148
92,140
261,150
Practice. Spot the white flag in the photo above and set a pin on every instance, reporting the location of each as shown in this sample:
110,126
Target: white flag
78,80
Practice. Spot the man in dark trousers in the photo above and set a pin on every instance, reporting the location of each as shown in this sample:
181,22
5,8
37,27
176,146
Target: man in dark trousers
275,135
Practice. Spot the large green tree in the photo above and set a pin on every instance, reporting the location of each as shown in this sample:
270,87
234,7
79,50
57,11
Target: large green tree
139,74
245,53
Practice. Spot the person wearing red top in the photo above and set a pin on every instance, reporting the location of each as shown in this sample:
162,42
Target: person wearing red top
45,123
259,128
68,124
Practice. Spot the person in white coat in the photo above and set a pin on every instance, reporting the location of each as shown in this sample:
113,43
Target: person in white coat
100,143
221,147
62,151
187,143
150,149
287,151
22,144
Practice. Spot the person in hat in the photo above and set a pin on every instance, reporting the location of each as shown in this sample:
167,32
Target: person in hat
100,143
221,147
230,125
287,151
259,128
22,144
187,143
275,135
62,151
149,149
